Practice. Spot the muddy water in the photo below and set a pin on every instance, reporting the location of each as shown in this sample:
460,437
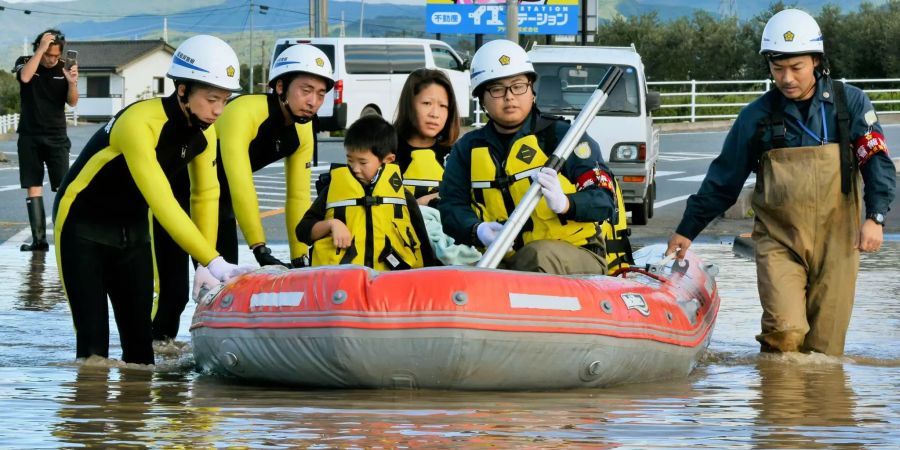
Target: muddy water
735,399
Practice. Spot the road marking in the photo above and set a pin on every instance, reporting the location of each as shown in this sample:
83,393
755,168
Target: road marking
665,173
685,156
661,203
693,178
12,187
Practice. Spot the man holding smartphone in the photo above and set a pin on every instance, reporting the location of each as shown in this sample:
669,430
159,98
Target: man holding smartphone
46,85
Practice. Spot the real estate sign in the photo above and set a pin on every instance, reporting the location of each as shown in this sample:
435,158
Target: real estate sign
489,16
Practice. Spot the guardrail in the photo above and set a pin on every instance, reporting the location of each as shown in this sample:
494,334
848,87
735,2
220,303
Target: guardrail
707,100
10,122
710,100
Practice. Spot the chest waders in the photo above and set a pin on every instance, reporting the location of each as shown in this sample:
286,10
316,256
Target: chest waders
807,209
382,230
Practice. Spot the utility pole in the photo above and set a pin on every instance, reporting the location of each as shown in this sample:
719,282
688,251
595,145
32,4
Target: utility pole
165,29
362,11
263,64
251,47
512,20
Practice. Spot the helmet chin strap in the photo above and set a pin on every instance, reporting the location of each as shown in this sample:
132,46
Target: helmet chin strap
284,103
193,119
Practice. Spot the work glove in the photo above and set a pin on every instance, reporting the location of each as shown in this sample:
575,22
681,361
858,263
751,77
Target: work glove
487,232
203,282
224,270
301,262
552,190
264,257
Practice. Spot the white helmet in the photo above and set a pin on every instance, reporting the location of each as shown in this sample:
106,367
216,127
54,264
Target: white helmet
791,32
499,59
209,60
305,59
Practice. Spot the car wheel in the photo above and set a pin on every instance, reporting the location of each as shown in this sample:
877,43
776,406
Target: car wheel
640,213
652,196
369,110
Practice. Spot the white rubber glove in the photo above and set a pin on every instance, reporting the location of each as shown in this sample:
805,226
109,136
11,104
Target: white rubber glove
552,190
224,270
488,231
203,282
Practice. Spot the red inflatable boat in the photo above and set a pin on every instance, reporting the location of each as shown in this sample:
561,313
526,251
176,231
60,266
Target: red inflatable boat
459,327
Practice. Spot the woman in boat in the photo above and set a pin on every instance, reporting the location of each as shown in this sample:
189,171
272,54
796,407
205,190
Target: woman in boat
427,125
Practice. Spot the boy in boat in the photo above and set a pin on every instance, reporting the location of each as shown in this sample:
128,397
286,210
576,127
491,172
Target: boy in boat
363,215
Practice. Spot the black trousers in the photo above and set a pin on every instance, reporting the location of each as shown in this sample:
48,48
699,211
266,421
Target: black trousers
171,268
92,270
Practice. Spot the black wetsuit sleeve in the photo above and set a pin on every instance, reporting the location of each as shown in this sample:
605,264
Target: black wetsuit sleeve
313,215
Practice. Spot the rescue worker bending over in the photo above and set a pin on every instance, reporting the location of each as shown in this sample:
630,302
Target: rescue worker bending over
257,130
808,141
100,214
363,215
490,169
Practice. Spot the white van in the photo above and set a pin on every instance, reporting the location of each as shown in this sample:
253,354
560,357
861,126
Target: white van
369,74
568,75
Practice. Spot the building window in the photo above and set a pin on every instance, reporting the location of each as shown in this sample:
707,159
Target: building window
98,87
159,84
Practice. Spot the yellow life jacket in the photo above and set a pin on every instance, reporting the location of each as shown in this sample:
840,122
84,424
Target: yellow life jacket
618,246
383,234
495,194
424,173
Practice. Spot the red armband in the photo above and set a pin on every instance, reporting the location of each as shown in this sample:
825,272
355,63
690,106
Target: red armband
595,177
868,145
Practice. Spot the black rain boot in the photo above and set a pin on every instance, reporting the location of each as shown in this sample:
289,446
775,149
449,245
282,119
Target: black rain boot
38,226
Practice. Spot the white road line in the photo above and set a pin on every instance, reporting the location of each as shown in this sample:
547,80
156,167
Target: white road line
693,178
661,203
12,187
665,173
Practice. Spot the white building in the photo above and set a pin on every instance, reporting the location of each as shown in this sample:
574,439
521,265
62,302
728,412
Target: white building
114,74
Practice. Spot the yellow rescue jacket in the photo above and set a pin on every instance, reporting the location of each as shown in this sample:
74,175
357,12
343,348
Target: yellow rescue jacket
424,173
497,191
383,233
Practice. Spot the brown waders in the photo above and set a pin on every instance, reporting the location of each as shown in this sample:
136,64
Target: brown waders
806,258
557,257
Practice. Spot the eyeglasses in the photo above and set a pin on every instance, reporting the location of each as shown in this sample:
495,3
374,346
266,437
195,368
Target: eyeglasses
499,90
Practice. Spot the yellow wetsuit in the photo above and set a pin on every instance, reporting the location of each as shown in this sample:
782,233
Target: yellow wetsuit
101,219
252,135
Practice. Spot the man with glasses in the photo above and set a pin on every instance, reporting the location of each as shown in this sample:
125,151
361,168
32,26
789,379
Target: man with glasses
490,169
45,87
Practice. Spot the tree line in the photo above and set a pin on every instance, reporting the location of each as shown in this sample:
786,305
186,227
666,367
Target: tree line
858,44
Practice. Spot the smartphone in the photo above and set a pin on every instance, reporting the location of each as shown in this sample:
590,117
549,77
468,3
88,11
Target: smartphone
71,58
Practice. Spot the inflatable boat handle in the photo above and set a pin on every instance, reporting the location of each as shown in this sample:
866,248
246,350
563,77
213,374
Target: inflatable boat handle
520,215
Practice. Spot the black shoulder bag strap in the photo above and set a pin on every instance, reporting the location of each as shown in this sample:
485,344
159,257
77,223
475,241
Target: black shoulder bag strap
775,125
848,160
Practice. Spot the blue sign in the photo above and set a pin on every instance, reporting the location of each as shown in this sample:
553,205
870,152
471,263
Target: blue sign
491,19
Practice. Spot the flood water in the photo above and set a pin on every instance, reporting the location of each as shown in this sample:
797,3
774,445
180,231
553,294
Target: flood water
735,399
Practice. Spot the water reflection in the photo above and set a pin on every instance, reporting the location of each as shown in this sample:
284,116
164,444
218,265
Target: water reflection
805,401
735,399
40,289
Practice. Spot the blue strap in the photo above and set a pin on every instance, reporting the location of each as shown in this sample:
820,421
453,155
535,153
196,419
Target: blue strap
824,138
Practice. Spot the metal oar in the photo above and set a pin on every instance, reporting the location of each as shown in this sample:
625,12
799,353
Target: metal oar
519,216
